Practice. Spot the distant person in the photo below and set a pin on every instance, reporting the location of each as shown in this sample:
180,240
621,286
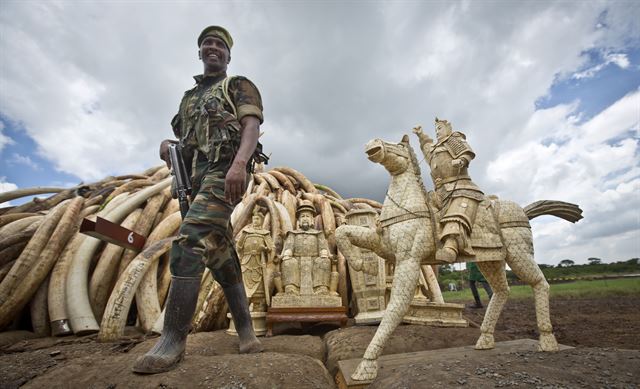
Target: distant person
476,276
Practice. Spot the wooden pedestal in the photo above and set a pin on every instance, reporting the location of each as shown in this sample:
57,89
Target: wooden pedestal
306,315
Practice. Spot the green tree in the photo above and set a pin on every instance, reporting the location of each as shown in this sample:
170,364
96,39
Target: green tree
594,261
566,263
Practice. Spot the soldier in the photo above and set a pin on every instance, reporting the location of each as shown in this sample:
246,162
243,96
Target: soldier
256,249
476,276
218,127
456,195
306,242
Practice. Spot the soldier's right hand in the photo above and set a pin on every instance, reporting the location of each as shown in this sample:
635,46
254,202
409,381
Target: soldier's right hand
164,152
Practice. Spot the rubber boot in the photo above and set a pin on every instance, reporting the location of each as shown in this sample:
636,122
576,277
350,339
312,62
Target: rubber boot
239,307
169,350
476,295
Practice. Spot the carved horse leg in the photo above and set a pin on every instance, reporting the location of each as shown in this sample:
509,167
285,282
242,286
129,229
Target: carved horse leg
494,272
520,260
350,238
405,280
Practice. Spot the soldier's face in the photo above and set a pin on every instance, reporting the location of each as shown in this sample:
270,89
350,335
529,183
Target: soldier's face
214,54
305,220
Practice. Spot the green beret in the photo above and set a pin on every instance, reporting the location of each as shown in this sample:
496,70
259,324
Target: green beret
218,32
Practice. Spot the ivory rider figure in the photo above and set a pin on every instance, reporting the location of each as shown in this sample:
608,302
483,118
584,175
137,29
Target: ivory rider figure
456,195
305,250
255,248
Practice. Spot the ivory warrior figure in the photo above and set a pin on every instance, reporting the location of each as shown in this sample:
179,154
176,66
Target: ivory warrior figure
306,276
306,242
456,196
406,236
255,248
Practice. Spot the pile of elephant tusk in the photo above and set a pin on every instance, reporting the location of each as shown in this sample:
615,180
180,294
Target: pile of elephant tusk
68,283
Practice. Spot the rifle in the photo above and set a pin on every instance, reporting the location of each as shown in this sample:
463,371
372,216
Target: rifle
183,183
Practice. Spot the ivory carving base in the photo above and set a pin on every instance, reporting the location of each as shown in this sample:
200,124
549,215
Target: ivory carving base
434,314
258,319
292,300
370,317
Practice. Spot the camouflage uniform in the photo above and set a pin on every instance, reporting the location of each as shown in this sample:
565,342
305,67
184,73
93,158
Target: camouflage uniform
457,195
208,127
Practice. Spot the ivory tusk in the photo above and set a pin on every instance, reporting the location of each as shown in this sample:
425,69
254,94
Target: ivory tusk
103,277
115,314
57,302
302,180
36,272
80,313
147,301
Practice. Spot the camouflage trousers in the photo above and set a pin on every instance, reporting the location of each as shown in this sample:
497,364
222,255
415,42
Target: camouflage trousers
205,235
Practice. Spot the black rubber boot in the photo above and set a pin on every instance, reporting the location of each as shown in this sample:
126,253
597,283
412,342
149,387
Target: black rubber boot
239,307
169,350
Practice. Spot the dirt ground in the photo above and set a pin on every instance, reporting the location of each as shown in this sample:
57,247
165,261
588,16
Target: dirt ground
600,329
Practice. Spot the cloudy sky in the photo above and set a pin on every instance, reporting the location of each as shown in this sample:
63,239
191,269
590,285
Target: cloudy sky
547,92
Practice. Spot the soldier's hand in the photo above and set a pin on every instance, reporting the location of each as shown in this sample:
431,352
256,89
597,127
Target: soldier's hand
235,182
418,130
164,152
458,163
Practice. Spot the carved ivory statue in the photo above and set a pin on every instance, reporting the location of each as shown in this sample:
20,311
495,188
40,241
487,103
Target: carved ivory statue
407,234
455,195
306,277
255,248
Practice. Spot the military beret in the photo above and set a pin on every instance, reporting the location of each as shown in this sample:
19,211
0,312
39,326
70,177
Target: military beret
216,31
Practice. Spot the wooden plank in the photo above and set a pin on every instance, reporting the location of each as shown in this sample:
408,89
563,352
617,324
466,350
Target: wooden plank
389,362
110,232
305,315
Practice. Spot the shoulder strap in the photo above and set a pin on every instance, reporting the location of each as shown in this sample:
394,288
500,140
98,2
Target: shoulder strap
225,92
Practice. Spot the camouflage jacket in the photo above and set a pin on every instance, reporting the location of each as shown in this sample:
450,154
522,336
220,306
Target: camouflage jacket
208,120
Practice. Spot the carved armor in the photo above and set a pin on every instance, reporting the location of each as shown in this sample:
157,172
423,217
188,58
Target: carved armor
255,247
455,194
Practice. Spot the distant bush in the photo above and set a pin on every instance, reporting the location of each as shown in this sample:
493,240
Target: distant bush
593,269
631,266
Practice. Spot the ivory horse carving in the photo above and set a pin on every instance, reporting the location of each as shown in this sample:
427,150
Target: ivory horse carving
406,236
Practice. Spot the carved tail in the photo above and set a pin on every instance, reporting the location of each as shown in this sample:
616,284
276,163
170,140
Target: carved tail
567,211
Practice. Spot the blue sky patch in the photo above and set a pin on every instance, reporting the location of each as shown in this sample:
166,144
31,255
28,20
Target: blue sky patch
595,93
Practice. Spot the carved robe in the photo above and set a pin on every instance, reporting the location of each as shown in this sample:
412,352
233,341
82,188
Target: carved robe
254,247
305,244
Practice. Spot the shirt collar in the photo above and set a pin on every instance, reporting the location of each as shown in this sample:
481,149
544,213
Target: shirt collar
210,76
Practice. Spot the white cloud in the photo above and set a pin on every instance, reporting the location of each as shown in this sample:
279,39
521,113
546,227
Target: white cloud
586,169
6,187
619,59
17,159
98,100
4,140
